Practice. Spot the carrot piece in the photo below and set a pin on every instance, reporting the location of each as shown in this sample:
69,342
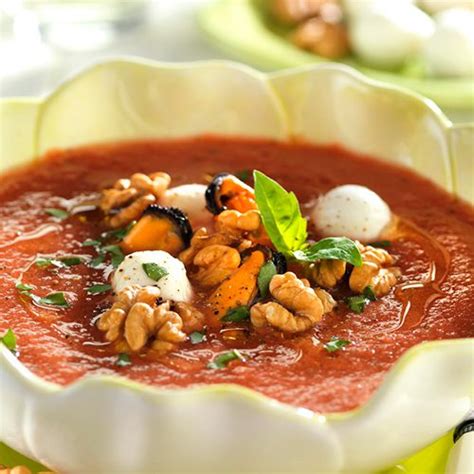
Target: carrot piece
240,288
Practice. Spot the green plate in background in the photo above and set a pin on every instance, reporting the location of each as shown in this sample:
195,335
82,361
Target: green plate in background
431,460
245,30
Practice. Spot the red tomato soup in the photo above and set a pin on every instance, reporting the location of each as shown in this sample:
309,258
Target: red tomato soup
432,299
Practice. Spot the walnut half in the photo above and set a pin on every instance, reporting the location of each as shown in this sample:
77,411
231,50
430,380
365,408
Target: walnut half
137,317
128,198
297,307
376,271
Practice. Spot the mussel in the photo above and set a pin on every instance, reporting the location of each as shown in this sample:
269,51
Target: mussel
159,228
226,191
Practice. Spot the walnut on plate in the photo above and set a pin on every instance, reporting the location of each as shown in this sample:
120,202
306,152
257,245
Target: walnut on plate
128,198
297,307
294,11
215,263
137,316
246,227
376,271
202,239
326,39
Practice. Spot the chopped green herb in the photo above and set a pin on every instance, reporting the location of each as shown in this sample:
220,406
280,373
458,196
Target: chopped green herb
59,262
24,288
118,234
97,289
96,261
70,261
54,299
221,361
281,214
114,251
335,344
60,214
331,248
267,272
369,293
243,175
197,337
116,254
381,244
154,271
123,360
44,262
91,243
358,303
235,315
9,340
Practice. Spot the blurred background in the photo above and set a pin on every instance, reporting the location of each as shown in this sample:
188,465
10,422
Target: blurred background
425,45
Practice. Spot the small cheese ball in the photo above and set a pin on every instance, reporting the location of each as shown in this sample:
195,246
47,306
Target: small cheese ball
351,211
190,199
450,51
173,286
387,34
435,6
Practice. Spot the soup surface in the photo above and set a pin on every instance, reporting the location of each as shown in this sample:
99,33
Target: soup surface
434,298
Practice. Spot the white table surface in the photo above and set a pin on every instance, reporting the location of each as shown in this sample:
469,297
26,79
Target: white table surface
29,67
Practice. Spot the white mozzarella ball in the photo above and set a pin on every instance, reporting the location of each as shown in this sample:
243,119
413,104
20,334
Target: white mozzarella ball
386,34
351,211
435,6
355,7
450,51
173,286
190,199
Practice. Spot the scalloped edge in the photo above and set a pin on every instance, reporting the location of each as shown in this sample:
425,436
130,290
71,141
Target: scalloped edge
344,428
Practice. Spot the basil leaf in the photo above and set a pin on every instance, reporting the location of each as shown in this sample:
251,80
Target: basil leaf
335,344
123,360
54,299
281,214
197,337
267,272
99,288
235,315
60,214
154,271
221,361
9,340
358,303
24,288
331,248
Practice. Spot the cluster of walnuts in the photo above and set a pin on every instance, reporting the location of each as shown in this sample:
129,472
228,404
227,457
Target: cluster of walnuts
139,317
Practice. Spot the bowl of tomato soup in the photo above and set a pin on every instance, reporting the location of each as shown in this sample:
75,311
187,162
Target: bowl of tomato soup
221,270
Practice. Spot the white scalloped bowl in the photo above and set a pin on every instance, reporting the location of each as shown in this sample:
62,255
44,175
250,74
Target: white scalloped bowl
108,424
